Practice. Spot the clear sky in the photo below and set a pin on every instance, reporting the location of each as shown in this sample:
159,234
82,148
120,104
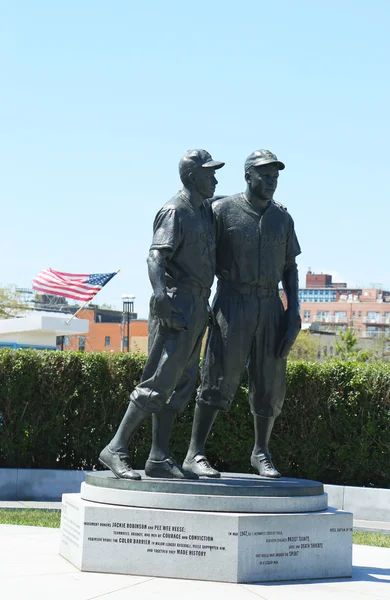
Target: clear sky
99,100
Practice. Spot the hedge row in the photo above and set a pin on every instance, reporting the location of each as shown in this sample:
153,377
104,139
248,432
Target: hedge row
58,409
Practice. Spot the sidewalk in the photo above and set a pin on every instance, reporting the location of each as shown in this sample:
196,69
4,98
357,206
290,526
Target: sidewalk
30,567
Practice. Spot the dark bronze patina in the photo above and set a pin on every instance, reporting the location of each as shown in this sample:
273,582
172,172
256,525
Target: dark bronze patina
181,265
256,249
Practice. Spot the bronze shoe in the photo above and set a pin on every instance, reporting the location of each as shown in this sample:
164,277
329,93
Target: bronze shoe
167,469
201,467
118,463
263,463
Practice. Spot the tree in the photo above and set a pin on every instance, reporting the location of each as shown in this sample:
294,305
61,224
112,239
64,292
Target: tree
305,347
348,349
10,302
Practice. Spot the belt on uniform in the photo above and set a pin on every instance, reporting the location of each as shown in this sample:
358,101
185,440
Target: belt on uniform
189,290
230,287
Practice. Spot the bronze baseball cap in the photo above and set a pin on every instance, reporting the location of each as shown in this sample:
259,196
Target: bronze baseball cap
262,157
193,159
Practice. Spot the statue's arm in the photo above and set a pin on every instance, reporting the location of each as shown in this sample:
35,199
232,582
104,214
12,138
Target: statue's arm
163,307
156,270
291,286
290,271
292,319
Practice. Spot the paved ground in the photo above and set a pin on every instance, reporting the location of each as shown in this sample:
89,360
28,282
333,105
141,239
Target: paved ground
376,526
32,569
21,504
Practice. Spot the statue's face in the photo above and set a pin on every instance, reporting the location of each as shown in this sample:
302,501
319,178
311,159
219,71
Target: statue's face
205,182
263,180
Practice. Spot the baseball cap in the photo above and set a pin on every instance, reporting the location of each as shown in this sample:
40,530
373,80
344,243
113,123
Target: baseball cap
262,157
193,159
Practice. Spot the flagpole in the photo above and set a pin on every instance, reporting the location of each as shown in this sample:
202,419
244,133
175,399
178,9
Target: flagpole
84,305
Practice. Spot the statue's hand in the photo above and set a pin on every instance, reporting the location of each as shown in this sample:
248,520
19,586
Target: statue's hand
169,316
291,329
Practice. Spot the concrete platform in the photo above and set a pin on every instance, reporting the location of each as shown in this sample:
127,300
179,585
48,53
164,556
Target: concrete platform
233,492
42,485
239,529
30,567
358,524
233,547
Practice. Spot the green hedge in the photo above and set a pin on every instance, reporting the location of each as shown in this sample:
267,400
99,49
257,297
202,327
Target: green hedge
58,409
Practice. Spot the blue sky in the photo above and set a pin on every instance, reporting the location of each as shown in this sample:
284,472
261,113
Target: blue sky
100,99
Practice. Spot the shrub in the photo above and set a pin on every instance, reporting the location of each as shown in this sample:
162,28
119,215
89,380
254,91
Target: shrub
59,409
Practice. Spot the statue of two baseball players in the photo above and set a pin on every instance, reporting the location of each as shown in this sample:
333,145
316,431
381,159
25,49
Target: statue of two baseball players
248,240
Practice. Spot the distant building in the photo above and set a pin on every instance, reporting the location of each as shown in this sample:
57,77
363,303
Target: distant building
107,326
329,307
108,332
39,330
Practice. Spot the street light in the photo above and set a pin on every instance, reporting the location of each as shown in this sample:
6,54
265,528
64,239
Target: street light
128,309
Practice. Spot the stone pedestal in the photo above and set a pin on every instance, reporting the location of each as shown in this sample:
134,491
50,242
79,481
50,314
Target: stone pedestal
240,528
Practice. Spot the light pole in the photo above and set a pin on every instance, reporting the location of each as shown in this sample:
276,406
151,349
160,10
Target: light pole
128,309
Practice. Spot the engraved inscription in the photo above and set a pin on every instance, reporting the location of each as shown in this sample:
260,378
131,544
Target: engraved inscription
283,546
158,538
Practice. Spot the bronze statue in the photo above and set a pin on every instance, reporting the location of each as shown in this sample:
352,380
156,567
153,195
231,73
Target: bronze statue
256,249
181,265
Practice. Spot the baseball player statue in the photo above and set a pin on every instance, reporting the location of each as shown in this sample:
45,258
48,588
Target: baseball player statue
181,266
256,249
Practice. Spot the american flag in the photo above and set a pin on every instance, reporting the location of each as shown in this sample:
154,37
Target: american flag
79,286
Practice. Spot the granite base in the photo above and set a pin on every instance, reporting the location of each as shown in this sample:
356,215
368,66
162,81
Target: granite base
233,547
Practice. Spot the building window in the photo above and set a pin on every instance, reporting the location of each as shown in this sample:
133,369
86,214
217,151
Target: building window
107,340
82,343
373,316
359,313
373,331
340,316
353,314
306,314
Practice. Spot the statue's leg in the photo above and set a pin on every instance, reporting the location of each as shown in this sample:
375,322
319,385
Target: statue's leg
263,430
150,394
196,461
204,417
186,353
227,350
115,456
267,383
159,463
163,422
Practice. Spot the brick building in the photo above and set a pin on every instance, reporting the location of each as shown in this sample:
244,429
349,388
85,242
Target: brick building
328,307
108,332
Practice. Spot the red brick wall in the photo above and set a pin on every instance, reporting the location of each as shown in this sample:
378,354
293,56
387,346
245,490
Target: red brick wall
318,281
95,338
